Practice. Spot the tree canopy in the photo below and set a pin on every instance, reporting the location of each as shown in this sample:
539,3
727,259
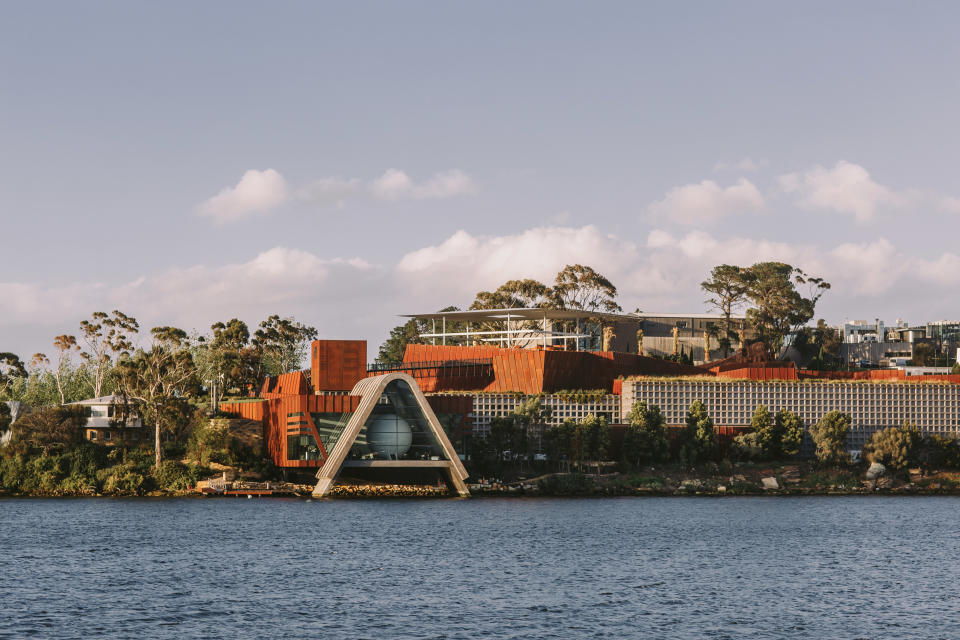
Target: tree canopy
645,440
726,290
698,439
829,436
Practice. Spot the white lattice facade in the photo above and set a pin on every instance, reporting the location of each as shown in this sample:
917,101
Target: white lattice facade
933,408
487,406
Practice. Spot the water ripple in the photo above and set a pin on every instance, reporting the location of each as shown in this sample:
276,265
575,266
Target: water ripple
605,568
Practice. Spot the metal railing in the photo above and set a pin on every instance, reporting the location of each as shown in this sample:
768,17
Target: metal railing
461,367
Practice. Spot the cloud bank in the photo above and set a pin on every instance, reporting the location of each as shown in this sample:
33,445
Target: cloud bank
351,297
707,201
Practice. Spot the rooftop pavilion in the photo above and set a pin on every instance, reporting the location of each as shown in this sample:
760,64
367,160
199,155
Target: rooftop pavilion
539,327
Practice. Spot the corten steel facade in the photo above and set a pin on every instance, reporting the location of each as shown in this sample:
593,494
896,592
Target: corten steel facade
529,371
382,421
933,407
337,365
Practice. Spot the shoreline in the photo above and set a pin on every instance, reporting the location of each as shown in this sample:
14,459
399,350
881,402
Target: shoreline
494,494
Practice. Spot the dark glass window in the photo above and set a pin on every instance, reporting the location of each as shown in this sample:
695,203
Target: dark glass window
397,429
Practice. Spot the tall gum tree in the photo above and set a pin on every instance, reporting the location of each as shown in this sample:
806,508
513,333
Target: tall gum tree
106,336
726,290
157,381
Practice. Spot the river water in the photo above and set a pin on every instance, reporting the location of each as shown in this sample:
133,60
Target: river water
810,567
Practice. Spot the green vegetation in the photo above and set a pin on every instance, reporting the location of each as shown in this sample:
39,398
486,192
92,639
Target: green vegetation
698,440
892,447
727,289
161,383
645,440
92,469
829,437
581,396
779,307
772,437
48,456
574,443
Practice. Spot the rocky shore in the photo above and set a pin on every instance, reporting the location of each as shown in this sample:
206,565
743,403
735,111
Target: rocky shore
710,480
788,480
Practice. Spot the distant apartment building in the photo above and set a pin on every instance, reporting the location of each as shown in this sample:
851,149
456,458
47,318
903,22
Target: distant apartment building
933,407
876,354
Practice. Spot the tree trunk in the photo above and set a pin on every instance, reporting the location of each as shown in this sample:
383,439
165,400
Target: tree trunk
156,444
63,399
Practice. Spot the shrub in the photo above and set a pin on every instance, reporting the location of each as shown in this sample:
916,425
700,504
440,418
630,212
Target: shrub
745,447
890,447
175,476
645,440
566,484
830,438
698,439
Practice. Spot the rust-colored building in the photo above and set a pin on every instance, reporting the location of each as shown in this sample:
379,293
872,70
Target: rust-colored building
531,371
347,419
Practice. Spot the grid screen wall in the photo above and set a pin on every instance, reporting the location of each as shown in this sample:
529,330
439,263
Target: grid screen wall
487,406
933,408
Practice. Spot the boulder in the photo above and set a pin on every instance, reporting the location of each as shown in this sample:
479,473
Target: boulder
791,475
875,471
770,483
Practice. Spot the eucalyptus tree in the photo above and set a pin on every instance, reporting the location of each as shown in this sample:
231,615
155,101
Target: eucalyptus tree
105,337
779,307
727,290
283,343
392,350
515,294
157,381
65,345
11,369
224,359
582,288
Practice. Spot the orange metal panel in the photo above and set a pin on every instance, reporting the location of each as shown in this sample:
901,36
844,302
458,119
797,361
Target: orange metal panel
337,365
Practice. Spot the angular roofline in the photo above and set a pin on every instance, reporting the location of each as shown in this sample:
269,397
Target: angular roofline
370,390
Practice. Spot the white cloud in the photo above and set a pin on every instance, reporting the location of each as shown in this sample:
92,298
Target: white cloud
846,188
395,184
257,191
329,191
949,205
707,201
261,191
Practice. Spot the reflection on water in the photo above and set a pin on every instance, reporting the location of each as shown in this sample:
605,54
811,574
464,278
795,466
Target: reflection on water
854,567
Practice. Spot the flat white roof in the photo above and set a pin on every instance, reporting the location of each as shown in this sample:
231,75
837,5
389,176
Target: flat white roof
527,313
111,399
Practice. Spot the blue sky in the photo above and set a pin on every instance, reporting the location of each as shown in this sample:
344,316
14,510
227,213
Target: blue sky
344,163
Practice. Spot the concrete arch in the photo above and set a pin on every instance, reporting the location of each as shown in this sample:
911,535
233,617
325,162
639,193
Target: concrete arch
370,390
